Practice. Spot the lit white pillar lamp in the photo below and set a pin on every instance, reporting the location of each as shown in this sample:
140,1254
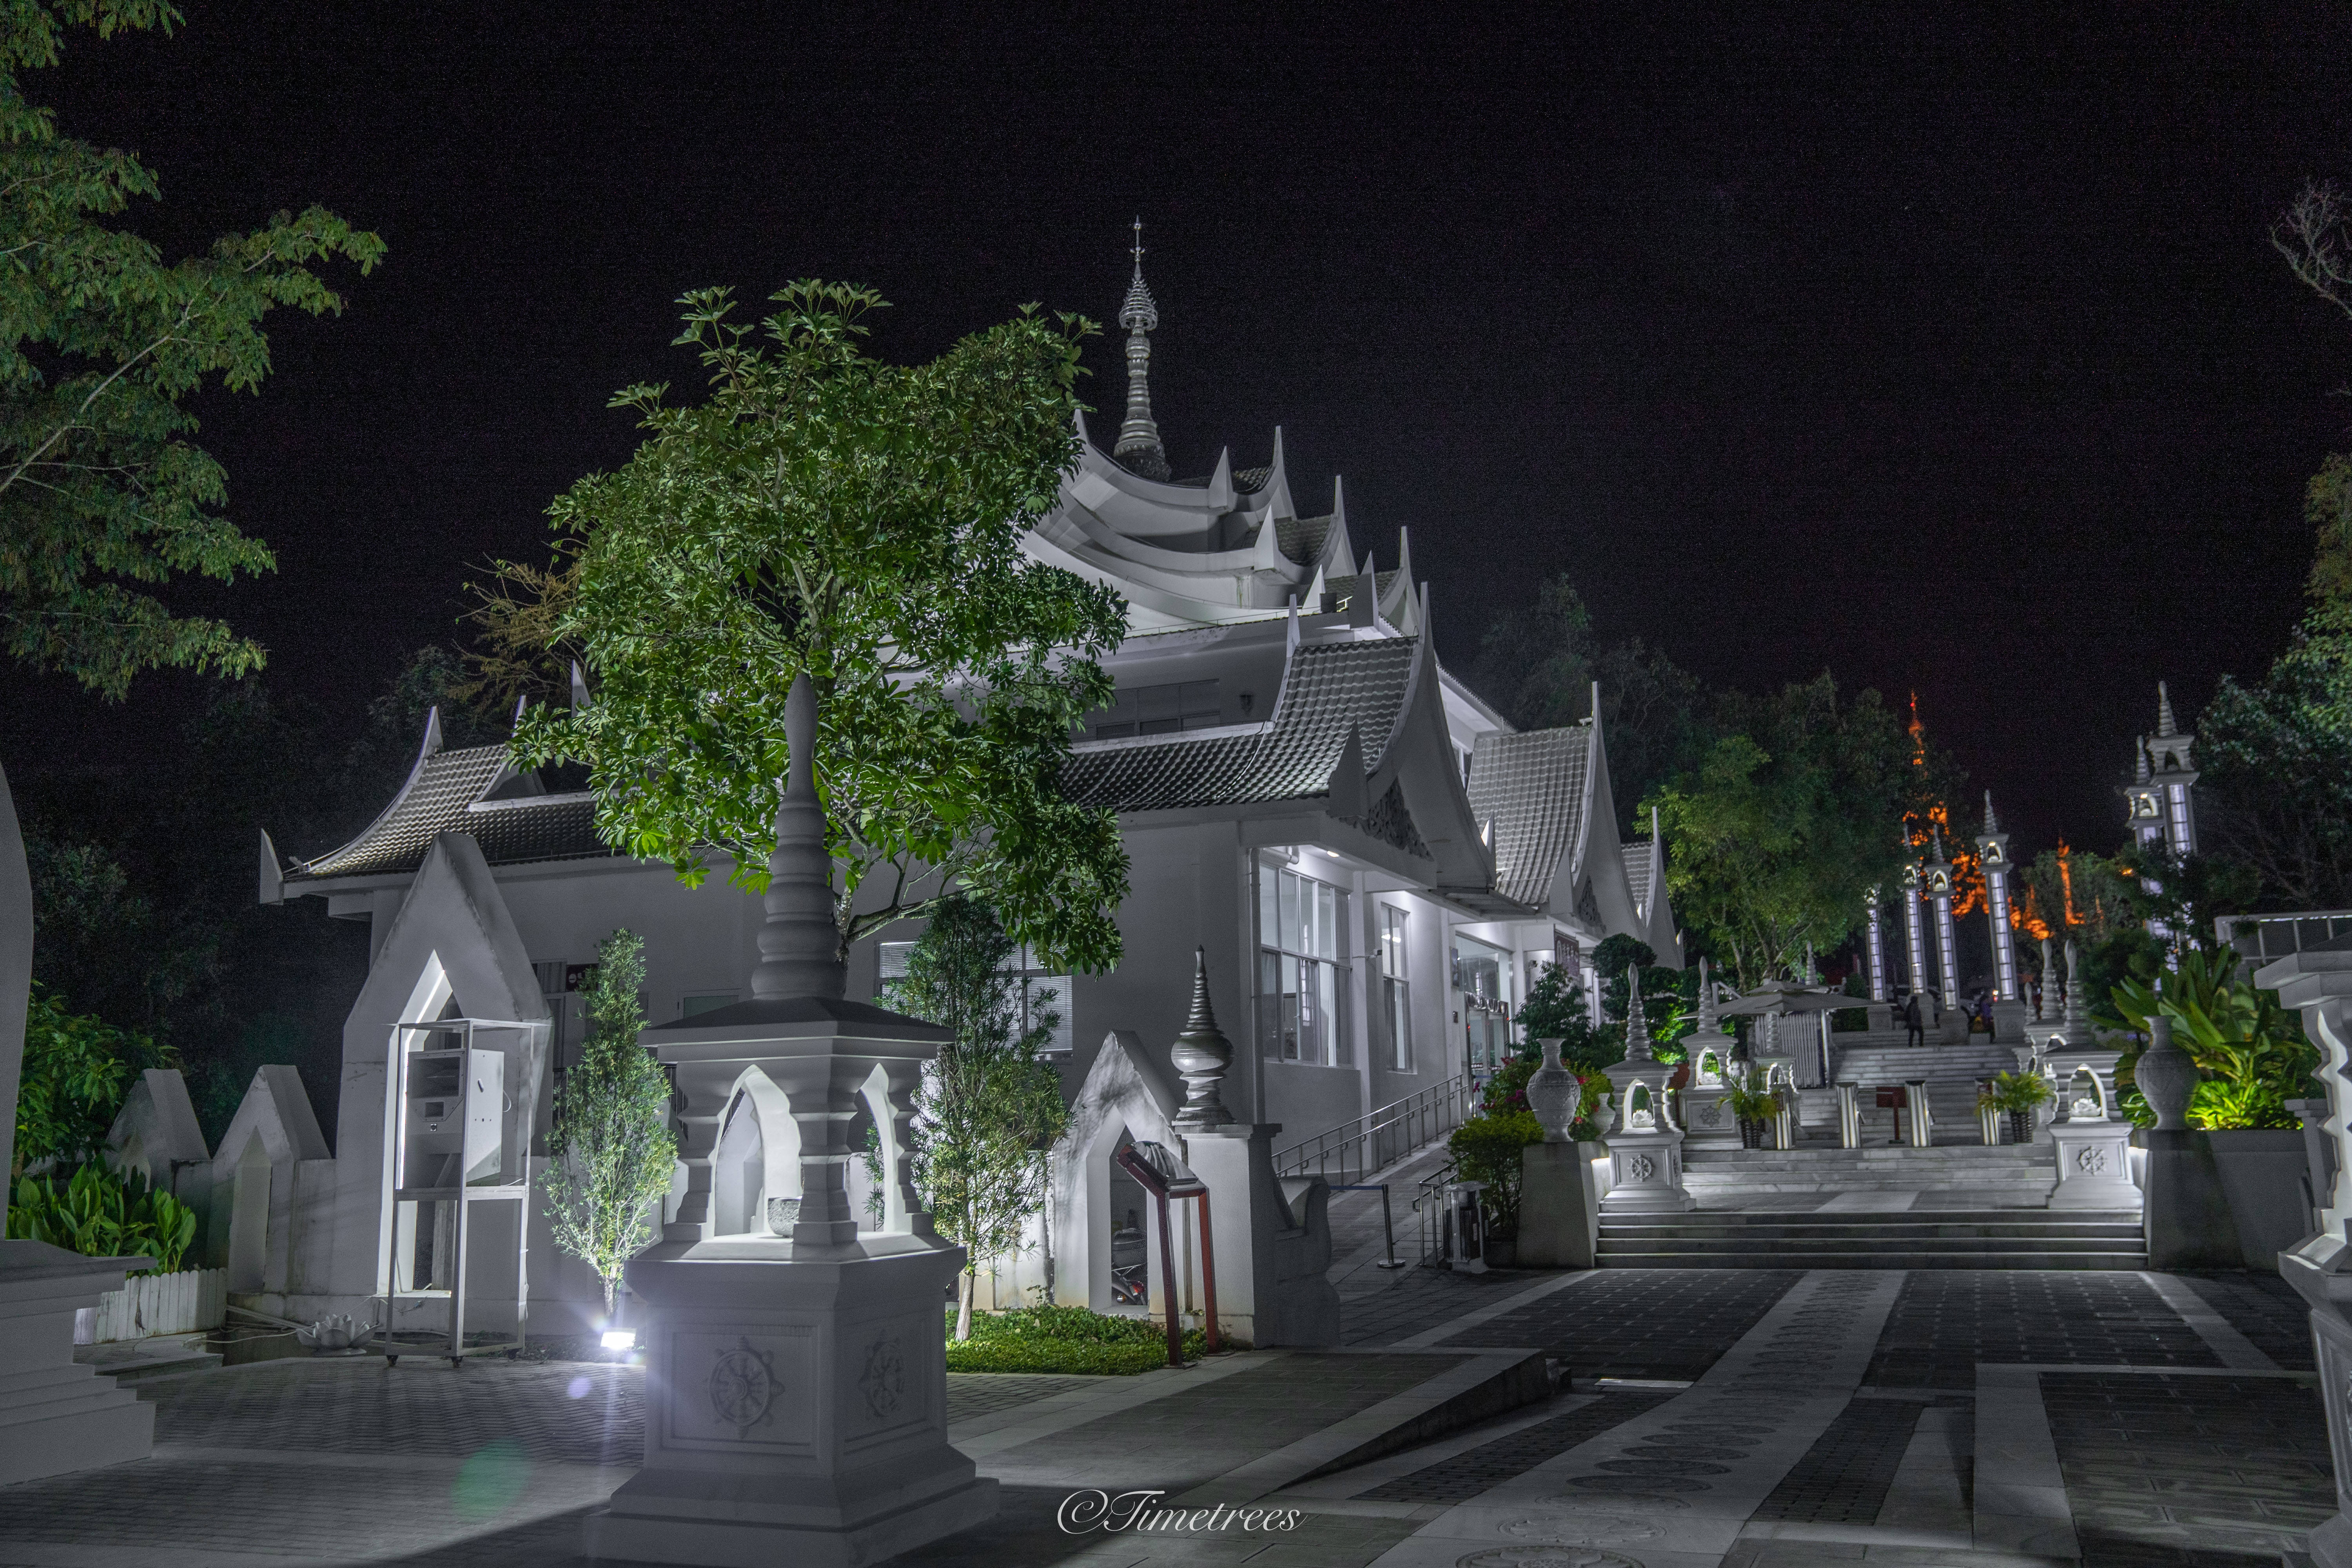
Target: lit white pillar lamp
1939,892
1992,845
1877,952
1914,927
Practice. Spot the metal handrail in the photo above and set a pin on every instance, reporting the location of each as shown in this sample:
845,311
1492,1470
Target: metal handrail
1352,1151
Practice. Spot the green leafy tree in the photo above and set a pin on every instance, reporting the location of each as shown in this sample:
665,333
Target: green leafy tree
820,511
1556,1010
613,1151
988,1106
77,1070
2185,894
1775,837
102,497
1538,664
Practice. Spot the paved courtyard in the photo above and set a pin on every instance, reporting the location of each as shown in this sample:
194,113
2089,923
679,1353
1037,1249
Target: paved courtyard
1747,1418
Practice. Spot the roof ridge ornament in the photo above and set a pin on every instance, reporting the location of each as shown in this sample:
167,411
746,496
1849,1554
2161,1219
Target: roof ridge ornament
2164,727
1138,446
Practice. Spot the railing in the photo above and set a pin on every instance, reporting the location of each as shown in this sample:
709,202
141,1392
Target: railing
1352,1151
2261,938
1428,1197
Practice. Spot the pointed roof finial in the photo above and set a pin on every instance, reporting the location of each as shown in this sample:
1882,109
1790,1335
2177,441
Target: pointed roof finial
2164,724
1139,434
1992,823
2140,774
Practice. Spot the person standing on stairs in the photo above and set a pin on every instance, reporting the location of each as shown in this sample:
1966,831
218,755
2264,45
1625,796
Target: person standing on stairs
1915,1029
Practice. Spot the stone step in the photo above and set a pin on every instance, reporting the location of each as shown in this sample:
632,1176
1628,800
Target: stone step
1701,1226
1948,1156
2129,1262
1940,1238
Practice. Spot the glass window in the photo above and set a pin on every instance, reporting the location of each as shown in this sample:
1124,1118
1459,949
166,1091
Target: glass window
1396,1000
1299,987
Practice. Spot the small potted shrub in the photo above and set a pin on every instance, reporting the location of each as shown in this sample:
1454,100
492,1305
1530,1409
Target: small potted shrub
2016,1095
1751,1105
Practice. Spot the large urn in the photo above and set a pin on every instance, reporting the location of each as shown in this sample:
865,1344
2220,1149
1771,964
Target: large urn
1553,1093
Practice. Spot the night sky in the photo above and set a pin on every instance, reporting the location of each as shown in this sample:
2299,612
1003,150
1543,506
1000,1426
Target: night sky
1940,346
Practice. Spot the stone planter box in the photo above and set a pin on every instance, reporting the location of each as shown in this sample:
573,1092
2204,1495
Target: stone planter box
150,1304
2262,1174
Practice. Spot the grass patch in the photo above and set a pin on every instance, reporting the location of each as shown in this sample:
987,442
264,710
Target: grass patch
1063,1340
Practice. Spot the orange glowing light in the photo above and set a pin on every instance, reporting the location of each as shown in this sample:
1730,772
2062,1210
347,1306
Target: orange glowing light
2066,879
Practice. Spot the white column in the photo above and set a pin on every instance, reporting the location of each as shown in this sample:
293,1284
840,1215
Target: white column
1877,952
2004,942
1945,945
1914,931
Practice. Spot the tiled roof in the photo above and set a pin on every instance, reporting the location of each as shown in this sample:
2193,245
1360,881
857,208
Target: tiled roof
1381,580
1301,538
1330,688
1531,787
442,799
1637,874
1248,479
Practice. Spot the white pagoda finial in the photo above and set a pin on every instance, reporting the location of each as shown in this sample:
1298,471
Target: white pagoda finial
1992,823
2164,722
1138,435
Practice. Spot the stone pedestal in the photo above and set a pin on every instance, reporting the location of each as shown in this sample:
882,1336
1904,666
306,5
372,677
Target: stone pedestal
1272,1240
1705,1123
2093,1166
55,1416
1645,1171
796,1409
1558,1226
2318,982
2186,1219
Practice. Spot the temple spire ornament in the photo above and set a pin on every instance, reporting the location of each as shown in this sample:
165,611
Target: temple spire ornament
1202,1054
800,945
1637,1027
1139,436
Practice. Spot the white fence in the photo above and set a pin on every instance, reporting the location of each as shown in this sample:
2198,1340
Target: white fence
150,1304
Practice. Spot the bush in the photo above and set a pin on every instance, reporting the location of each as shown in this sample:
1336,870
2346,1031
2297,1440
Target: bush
1487,1149
2011,1091
2250,1051
102,1213
1066,1340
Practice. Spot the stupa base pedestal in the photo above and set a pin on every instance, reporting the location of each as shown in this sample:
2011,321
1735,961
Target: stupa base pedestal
744,1525
795,1407
56,1415
2094,1166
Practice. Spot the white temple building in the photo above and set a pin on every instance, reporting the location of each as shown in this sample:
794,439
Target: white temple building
1376,863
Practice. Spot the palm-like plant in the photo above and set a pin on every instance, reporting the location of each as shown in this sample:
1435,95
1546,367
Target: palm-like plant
2250,1051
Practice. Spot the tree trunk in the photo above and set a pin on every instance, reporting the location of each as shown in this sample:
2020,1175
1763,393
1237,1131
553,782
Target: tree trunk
964,1283
612,1297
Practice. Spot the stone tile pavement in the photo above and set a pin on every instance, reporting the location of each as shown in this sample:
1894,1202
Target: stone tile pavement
1806,1418
2177,1469
1948,1321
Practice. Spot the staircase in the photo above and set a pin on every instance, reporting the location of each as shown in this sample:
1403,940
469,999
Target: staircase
1950,1239
2024,1171
1953,1073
